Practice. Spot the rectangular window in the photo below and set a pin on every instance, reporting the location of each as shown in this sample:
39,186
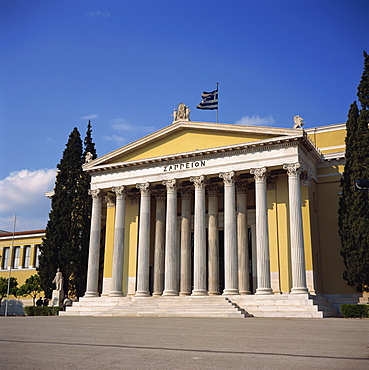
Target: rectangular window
16,257
37,254
6,252
27,255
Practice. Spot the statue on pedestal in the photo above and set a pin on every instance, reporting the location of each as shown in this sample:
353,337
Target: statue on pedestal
58,292
58,280
298,122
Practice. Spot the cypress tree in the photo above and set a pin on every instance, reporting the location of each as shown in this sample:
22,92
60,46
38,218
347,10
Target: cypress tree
61,246
353,218
85,210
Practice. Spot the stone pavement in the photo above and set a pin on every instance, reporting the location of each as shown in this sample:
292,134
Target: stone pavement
183,343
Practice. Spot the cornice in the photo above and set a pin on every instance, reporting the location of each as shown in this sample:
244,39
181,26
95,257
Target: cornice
329,128
261,145
332,159
180,125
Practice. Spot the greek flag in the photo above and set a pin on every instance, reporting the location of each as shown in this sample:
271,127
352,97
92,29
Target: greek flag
209,100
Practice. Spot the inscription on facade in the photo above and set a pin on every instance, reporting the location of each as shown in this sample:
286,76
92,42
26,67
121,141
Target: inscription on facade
182,166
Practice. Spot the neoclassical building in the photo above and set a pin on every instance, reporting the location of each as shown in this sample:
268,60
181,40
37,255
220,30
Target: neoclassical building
206,209
19,258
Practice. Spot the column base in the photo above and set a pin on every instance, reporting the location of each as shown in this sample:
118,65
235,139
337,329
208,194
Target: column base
300,290
142,293
116,293
262,291
185,294
157,294
170,293
230,292
245,292
91,294
213,292
199,292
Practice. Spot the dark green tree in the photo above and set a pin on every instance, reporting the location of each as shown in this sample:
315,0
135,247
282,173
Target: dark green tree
13,290
60,248
31,287
85,210
353,220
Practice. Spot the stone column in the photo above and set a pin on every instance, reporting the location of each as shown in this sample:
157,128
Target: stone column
262,242
185,275
94,248
242,239
213,241
171,246
117,272
296,232
143,242
109,244
159,253
230,235
199,268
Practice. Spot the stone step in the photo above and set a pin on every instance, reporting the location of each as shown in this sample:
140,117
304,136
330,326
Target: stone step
289,314
283,305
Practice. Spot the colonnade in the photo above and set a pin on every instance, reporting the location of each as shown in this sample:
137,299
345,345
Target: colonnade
172,260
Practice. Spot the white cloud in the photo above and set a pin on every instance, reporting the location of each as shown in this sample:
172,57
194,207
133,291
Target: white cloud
91,116
23,193
99,14
256,121
126,131
121,125
115,138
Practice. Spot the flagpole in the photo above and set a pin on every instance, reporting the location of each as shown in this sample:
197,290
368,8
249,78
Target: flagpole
10,269
218,104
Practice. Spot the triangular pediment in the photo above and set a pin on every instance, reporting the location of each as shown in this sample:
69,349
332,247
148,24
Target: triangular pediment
188,136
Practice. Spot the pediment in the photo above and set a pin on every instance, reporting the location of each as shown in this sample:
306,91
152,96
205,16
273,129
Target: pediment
187,136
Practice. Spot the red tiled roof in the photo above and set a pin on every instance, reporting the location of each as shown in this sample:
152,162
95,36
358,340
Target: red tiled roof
23,233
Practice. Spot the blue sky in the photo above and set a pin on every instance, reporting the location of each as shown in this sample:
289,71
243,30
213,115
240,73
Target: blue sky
127,64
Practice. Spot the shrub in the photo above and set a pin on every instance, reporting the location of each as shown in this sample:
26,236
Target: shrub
41,311
355,310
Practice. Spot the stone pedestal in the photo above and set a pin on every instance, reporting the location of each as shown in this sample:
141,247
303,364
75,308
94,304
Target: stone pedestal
57,298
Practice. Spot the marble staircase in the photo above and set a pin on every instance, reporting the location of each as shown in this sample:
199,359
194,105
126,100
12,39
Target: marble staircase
286,305
232,306
156,307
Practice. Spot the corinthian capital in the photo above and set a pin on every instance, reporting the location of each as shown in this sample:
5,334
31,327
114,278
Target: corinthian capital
170,185
144,188
110,200
213,190
227,178
119,191
198,181
293,169
96,194
259,174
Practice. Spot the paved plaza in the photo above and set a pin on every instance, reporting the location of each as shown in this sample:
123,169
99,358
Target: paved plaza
183,343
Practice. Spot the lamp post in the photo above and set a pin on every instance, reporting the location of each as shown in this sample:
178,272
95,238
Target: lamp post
10,270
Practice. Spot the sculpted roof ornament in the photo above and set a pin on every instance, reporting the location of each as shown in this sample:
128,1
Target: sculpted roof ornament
182,113
298,122
88,157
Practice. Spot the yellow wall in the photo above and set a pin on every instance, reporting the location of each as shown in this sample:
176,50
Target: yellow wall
283,234
21,274
330,244
109,242
130,243
273,234
325,138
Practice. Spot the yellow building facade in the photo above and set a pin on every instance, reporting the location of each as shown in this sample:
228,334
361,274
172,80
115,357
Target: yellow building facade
19,256
206,209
